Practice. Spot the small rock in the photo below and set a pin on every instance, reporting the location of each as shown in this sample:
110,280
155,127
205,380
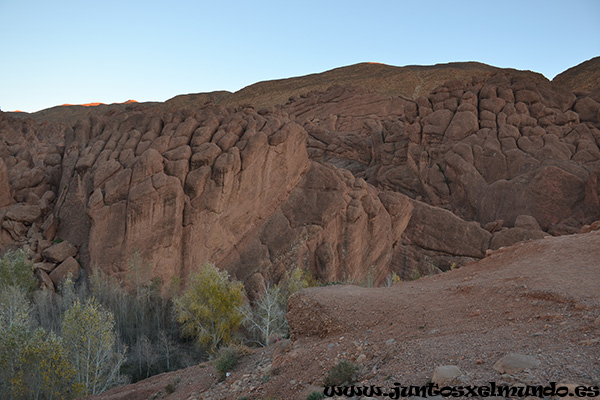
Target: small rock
527,222
43,245
45,280
390,342
445,373
513,363
44,266
16,229
494,226
49,227
479,361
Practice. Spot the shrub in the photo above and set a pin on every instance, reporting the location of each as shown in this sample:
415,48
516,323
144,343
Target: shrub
226,360
416,274
172,387
209,308
297,280
342,374
315,396
392,279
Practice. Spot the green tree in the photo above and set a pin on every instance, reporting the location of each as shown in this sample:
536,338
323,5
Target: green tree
13,340
15,308
15,328
17,270
89,335
209,308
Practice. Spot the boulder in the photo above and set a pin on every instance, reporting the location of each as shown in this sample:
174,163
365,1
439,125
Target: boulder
17,230
44,266
437,122
527,222
445,374
514,363
508,237
59,252
588,109
462,125
24,213
44,279
69,267
438,229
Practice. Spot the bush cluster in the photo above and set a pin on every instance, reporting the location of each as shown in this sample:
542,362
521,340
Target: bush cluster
342,374
94,334
77,358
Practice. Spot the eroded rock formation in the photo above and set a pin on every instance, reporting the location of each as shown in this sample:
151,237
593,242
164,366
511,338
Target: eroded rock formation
349,183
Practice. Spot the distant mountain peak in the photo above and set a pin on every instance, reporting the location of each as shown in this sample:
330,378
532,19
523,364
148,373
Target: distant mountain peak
96,104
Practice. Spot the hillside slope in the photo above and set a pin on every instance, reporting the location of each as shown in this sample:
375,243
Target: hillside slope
409,82
583,78
538,299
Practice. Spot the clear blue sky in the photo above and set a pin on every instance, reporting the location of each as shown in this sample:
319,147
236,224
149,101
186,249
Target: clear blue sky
55,52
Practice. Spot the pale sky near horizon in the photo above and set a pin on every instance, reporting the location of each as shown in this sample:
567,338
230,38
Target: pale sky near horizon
56,52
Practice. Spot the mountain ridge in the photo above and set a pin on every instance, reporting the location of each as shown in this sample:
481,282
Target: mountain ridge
408,81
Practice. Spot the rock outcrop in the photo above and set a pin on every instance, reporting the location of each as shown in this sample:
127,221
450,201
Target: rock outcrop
347,182
489,149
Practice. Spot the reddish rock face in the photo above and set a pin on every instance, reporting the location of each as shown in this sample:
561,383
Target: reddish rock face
348,183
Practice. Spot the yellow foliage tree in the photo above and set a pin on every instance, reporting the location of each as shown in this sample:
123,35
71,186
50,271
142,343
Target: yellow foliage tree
33,363
46,372
209,309
89,335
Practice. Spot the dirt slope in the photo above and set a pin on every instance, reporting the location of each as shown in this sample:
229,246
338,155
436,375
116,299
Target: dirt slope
537,298
409,82
583,78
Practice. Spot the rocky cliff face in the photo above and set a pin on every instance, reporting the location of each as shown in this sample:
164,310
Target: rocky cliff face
349,183
490,150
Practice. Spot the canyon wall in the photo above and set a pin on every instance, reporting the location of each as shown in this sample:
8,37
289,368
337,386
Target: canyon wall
348,183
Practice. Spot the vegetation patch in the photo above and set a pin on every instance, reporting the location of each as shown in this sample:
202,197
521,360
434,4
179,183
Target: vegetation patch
344,373
226,361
